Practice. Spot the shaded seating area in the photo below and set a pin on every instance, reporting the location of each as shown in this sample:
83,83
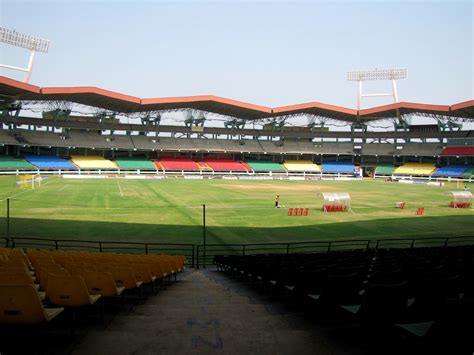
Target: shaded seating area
49,162
451,170
265,166
93,162
398,295
134,164
338,167
420,169
13,163
468,173
301,166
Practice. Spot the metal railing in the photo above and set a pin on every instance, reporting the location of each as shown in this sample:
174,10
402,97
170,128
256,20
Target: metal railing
202,255
188,250
205,253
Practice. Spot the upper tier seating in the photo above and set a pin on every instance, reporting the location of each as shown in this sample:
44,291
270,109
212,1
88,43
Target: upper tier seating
262,165
49,162
458,151
415,169
11,163
179,163
134,164
92,162
226,165
385,169
301,166
451,170
338,167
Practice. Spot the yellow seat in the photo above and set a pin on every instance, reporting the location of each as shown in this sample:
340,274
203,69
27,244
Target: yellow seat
125,277
69,291
21,304
19,278
102,283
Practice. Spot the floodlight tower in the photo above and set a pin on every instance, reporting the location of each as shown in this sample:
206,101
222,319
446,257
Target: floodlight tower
377,74
34,44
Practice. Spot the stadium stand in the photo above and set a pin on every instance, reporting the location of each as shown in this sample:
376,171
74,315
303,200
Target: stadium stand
458,151
379,288
179,163
226,165
92,162
421,149
264,166
134,164
468,173
333,148
451,170
338,167
422,169
12,163
301,166
384,169
49,162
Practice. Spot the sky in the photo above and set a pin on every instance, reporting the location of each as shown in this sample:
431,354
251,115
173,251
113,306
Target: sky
271,53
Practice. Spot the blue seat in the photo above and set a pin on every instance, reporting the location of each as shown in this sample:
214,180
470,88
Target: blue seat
49,162
338,167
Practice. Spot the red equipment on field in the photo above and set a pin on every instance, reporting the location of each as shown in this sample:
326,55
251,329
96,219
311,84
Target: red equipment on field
298,211
420,211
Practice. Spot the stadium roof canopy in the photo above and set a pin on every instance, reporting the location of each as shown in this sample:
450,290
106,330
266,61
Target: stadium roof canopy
112,101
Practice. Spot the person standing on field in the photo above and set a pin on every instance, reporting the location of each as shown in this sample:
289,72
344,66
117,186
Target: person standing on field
277,201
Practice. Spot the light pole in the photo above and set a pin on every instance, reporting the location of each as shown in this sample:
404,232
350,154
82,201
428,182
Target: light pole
33,44
378,74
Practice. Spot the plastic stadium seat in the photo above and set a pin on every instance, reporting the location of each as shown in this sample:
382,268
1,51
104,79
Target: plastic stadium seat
180,163
125,277
102,283
338,167
69,291
301,166
93,162
225,165
49,162
21,304
458,151
422,169
262,166
452,170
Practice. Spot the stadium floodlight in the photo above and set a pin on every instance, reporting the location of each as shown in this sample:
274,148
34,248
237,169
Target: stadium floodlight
377,74
33,44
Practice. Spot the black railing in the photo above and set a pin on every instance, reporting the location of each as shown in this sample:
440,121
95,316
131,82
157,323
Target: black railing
107,246
205,254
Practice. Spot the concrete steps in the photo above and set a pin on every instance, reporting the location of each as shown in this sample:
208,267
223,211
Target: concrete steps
201,314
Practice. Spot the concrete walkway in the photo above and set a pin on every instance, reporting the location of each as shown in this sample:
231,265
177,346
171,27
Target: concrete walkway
205,312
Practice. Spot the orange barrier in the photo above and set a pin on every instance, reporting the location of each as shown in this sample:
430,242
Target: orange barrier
335,208
460,205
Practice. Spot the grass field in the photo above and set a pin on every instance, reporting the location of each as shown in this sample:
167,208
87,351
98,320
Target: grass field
237,211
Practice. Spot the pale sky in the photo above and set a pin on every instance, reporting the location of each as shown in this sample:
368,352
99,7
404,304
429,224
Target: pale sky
270,53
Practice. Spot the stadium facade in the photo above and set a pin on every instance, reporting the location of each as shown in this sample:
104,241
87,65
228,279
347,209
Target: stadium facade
60,140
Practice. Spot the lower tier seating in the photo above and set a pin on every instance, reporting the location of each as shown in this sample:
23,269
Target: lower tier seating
180,163
338,167
263,166
385,169
134,164
12,163
93,162
49,162
451,170
226,165
422,169
301,166
418,291
468,173
38,285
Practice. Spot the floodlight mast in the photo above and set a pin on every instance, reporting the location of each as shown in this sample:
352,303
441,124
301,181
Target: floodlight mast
33,44
377,74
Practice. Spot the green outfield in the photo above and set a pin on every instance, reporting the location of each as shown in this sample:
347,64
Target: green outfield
237,211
